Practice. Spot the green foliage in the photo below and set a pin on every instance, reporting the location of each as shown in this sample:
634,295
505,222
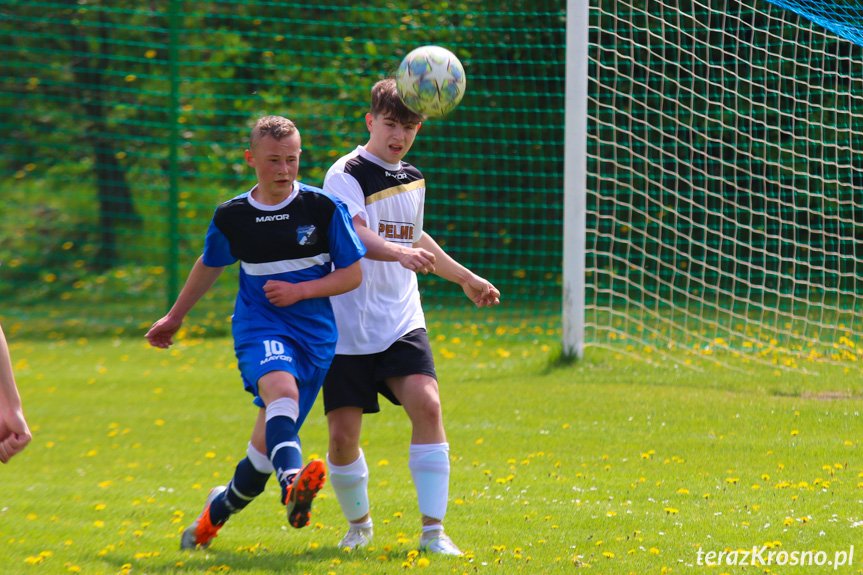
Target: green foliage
132,119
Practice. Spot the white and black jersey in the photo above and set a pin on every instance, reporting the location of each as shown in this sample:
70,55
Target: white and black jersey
390,198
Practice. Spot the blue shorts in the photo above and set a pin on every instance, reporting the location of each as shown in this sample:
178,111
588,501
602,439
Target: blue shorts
258,357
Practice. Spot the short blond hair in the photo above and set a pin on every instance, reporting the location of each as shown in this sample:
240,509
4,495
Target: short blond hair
276,126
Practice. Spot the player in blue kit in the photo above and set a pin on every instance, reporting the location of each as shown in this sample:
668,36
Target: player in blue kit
296,246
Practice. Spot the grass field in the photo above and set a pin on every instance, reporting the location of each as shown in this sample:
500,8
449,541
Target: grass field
612,465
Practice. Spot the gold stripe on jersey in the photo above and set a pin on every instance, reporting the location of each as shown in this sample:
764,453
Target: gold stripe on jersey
395,190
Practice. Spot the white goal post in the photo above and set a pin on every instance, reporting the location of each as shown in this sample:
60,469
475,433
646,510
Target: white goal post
575,178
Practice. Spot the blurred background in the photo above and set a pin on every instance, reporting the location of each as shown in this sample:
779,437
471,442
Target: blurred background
123,125
724,164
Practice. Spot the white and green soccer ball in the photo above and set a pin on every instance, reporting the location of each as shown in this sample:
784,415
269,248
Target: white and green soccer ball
431,81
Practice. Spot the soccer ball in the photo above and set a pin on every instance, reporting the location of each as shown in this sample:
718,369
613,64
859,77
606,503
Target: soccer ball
431,81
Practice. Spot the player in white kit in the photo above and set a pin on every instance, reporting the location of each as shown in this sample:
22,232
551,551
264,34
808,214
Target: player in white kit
383,346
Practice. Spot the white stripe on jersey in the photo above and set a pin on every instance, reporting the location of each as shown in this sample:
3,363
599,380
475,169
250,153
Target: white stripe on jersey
270,268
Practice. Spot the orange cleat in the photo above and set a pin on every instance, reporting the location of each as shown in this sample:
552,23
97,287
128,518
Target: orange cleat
202,531
302,490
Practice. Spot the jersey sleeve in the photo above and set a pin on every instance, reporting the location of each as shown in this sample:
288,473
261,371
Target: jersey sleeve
345,245
418,222
347,189
217,250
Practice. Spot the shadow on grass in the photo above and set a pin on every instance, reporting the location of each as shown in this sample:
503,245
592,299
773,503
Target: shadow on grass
559,360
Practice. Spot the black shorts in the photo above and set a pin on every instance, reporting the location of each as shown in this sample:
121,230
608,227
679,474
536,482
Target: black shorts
356,380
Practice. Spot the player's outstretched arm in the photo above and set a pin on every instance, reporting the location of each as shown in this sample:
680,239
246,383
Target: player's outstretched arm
412,258
480,291
14,433
339,281
200,280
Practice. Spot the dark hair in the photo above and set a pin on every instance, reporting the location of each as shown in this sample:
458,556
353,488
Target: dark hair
386,102
276,126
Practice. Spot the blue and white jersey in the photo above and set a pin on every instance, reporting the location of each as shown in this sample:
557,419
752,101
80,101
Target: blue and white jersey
301,239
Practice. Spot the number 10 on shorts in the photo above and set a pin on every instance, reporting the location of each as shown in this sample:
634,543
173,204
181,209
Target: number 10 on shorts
274,347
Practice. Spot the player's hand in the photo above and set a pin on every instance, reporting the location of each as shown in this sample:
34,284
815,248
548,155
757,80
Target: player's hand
282,294
14,434
481,292
162,332
417,260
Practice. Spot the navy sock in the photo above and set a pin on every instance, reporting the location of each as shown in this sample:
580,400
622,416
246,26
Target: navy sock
246,484
283,445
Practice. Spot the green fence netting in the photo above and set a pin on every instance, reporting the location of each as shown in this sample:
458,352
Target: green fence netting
123,125
724,177
724,166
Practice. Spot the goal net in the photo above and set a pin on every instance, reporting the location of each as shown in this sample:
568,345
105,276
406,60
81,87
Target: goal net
725,168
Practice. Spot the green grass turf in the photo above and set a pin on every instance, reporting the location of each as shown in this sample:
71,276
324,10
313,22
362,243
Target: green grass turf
611,465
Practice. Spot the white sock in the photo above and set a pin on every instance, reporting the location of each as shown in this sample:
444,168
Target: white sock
283,406
259,460
429,465
427,529
351,484
364,525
